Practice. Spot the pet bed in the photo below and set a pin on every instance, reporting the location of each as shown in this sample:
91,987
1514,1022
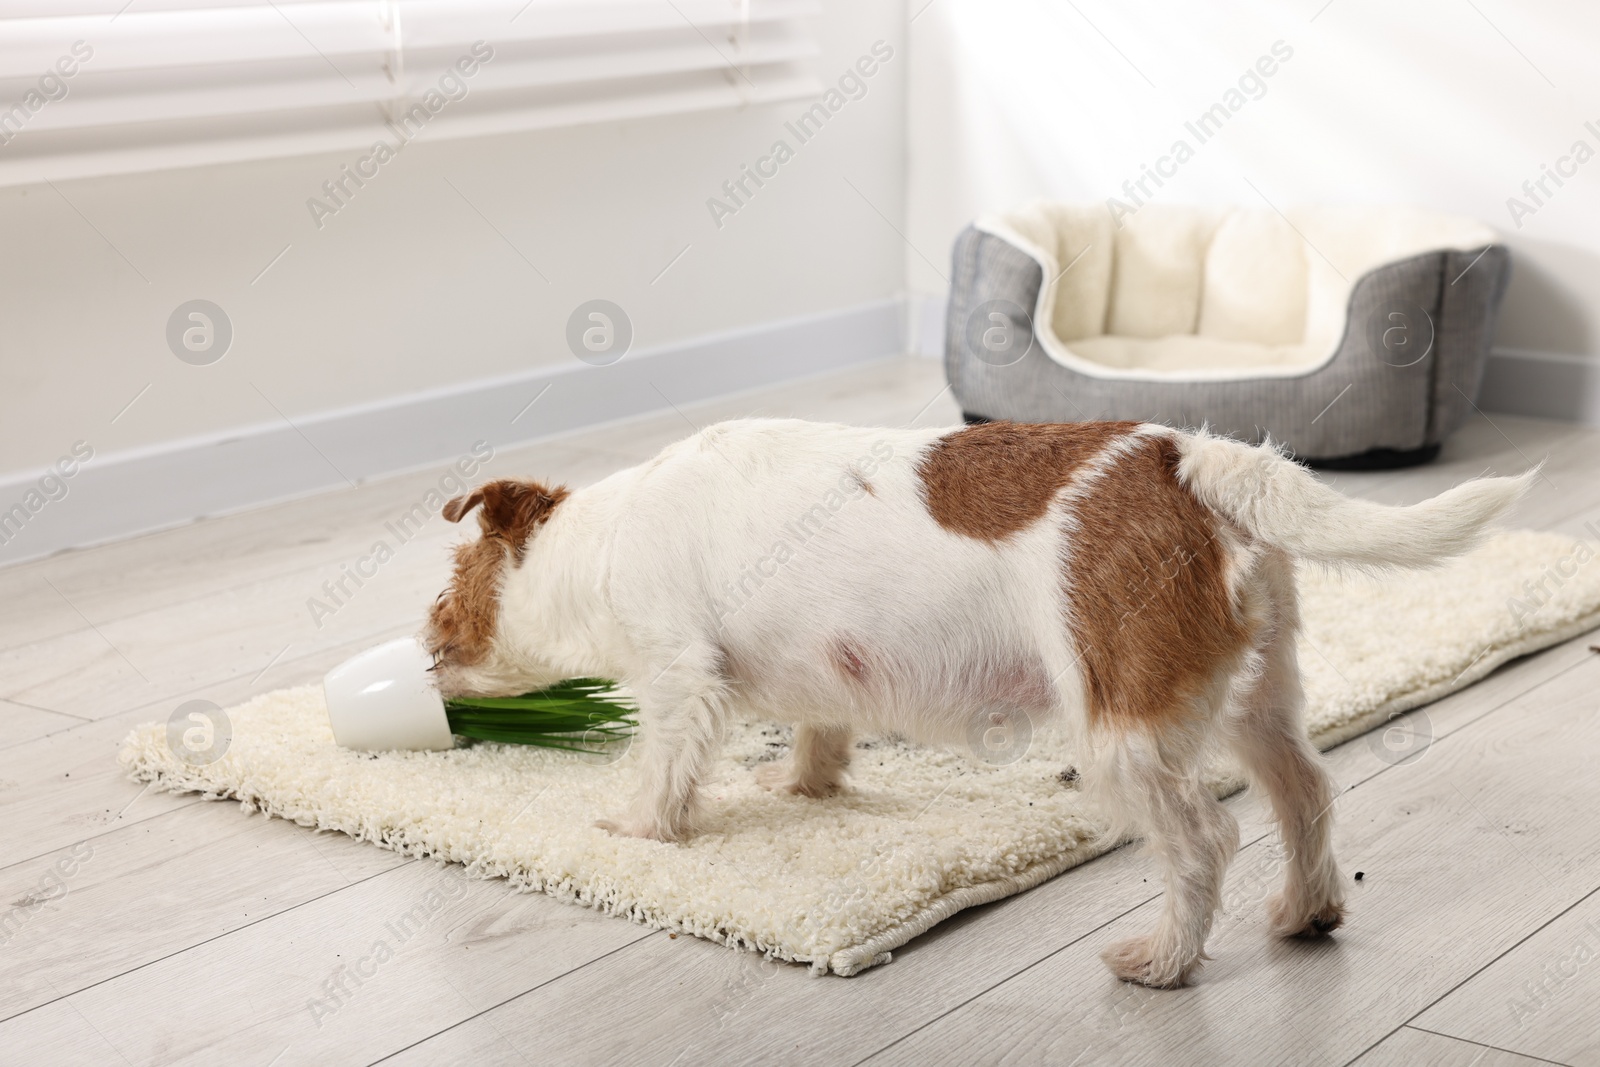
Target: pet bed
1354,336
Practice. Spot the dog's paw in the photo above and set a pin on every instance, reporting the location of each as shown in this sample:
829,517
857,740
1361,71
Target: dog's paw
623,827
780,778
1135,960
1304,920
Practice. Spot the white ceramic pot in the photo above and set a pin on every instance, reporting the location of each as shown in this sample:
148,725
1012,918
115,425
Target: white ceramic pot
384,699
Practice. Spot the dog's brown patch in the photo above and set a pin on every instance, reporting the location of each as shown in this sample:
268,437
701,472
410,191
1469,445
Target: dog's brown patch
461,625
512,510
990,480
1147,591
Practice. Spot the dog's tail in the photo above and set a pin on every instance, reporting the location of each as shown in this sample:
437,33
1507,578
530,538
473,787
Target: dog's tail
1280,502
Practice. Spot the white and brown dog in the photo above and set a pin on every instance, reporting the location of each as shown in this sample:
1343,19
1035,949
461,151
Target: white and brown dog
1131,580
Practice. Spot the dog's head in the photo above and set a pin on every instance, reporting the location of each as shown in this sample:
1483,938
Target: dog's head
464,633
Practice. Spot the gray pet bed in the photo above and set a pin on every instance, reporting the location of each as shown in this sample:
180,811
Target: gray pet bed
1354,336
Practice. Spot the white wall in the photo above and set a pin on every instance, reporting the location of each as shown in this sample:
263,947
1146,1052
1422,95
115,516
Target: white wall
408,288
1426,102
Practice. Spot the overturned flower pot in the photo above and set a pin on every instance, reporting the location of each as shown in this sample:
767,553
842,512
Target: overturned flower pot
384,700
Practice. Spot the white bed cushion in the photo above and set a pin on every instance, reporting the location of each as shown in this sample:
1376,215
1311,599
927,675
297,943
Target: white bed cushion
1255,281
1345,241
1183,288
1084,244
1159,271
1190,354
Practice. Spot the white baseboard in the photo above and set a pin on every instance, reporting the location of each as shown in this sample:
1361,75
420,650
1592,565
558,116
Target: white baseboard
925,325
1545,385
118,495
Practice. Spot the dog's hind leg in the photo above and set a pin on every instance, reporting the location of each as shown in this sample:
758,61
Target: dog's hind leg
816,763
1153,784
1266,733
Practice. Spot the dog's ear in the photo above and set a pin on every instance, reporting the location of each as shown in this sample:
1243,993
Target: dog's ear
456,508
512,510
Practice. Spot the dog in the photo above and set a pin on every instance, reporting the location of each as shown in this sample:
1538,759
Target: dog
1132,581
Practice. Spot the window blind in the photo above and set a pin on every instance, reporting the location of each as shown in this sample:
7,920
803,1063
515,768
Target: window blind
104,88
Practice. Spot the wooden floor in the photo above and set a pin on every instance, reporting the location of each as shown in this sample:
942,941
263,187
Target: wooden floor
144,928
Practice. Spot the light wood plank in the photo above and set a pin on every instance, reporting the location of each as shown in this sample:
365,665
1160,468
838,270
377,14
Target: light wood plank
121,899
58,1035
265,991
33,611
61,788
1409,1047
171,650
1567,487
1583,524
1494,444
1538,999
19,723
474,1043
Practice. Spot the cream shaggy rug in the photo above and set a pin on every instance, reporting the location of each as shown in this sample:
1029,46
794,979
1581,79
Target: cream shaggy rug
920,835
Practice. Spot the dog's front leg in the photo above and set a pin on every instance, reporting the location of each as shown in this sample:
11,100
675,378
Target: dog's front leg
681,717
